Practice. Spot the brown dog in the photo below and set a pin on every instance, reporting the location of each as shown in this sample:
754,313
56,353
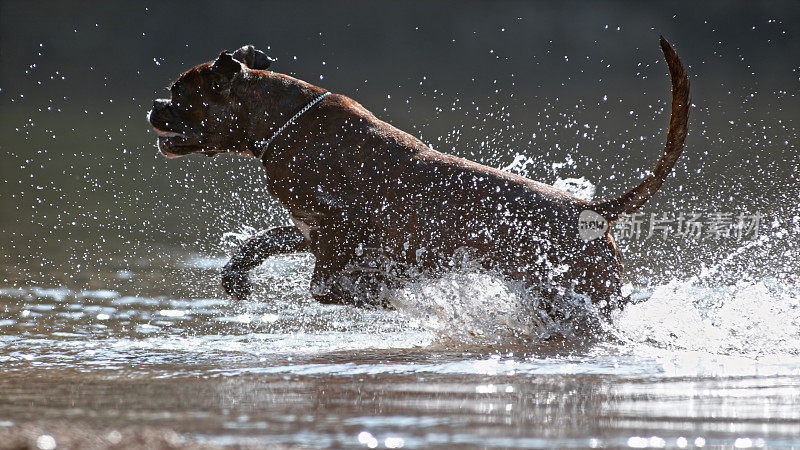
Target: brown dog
374,204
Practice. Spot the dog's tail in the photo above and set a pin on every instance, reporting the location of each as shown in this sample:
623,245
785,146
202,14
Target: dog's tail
630,201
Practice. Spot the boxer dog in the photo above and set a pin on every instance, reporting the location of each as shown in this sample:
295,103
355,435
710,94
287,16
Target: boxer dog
375,205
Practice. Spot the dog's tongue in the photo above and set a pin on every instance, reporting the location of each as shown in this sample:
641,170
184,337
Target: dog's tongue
167,134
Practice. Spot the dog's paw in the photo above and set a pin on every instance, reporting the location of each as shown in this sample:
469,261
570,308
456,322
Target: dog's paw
236,284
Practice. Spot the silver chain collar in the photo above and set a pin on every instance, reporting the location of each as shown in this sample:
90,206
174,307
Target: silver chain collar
265,143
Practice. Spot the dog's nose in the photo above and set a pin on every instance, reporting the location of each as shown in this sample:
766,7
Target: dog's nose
159,111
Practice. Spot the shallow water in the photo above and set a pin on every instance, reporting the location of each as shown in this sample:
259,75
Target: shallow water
687,365
111,312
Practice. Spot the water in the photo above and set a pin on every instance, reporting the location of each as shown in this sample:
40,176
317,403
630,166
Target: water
461,360
113,327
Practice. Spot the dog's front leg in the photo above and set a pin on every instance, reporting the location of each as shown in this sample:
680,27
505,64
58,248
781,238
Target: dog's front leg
275,241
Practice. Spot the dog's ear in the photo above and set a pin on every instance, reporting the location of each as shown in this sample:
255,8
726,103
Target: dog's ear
226,65
252,58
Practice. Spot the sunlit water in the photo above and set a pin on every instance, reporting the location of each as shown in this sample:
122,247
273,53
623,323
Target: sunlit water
461,359
104,325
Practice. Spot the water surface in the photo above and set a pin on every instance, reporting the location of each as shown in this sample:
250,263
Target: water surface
111,313
688,365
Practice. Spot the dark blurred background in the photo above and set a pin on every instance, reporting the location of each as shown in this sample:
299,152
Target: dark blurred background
579,89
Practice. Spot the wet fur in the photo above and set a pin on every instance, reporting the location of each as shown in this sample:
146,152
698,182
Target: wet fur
374,204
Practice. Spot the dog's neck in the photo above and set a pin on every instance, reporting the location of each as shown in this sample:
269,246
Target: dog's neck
284,97
264,145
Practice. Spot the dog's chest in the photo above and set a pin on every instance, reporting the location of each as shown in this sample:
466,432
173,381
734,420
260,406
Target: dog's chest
305,222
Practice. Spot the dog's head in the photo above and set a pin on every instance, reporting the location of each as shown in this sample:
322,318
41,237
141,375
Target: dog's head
202,114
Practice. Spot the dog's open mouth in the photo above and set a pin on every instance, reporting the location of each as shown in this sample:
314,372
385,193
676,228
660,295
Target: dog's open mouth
173,144
168,134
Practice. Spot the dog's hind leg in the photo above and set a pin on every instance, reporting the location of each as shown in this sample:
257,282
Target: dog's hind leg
275,241
356,286
349,269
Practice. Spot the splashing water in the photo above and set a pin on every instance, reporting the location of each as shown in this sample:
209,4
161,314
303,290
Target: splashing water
579,187
473,308
749,318
756,318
